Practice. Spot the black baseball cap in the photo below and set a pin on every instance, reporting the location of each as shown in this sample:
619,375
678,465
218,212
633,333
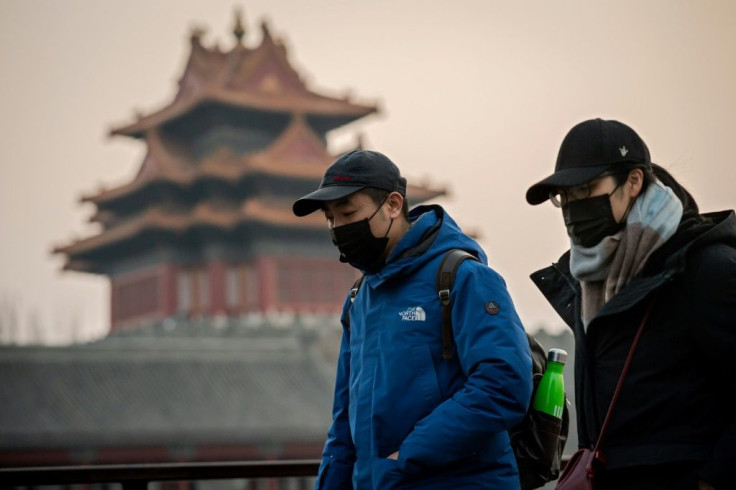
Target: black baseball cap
589,149
350,173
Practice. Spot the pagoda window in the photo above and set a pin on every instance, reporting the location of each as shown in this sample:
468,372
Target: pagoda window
193,291
203,291
251,290
184,292
232,289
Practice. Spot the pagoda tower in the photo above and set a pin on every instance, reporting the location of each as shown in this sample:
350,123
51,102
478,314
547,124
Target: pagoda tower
205,228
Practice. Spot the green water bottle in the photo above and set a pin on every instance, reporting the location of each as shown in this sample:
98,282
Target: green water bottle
550,396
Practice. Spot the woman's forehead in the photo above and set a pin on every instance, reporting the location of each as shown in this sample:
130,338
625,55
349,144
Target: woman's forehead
594,181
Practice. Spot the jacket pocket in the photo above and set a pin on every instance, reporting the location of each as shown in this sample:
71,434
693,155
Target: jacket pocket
386,474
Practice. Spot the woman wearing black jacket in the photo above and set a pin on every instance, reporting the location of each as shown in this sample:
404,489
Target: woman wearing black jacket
637,238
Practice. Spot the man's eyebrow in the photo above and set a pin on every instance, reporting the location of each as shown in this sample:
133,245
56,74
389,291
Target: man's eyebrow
338,203
343,201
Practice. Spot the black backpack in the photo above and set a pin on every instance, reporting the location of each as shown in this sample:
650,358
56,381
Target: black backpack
539,440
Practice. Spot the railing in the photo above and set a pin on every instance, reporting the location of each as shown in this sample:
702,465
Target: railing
137,476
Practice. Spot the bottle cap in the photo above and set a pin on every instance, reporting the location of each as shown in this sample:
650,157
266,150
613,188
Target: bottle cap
557,355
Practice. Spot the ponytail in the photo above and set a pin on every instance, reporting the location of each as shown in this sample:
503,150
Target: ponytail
688,201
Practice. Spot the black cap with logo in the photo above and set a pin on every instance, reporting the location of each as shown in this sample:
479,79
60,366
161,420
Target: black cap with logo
589,149
350,173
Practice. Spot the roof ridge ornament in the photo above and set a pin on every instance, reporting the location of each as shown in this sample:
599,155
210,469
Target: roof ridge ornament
266,30
238,29
196,35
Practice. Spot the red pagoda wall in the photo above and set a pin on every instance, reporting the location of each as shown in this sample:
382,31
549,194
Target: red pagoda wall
219,288
139,296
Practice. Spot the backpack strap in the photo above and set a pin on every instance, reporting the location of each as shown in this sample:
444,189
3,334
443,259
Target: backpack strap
353,294
445,279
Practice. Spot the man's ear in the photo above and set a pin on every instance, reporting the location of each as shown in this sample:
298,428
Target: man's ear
395,202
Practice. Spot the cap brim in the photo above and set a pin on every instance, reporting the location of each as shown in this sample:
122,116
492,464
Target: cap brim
314,201
539,192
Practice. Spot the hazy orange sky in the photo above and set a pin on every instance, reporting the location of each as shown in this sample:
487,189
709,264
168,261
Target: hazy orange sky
476,95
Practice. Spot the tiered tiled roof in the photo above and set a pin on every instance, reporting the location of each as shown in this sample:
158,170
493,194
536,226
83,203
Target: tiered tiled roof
261,78
297,152
252,82
274,213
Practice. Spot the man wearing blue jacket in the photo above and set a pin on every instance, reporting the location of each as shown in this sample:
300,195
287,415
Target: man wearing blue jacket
404,416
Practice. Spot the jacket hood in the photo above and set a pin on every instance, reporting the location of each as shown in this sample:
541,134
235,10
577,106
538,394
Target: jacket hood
432,232
700,231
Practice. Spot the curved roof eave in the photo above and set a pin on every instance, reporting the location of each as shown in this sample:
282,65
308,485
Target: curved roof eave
314,105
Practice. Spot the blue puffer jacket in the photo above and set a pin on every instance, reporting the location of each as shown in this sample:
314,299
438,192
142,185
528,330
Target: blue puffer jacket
394,392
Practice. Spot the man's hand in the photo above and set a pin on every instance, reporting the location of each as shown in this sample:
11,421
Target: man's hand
394,455
704,486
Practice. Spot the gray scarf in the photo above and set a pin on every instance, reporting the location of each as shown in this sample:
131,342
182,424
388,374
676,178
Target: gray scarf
604,269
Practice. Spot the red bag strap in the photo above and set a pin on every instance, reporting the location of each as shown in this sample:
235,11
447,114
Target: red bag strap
624,371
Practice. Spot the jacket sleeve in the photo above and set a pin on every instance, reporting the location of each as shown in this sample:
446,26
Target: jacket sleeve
713,289
338,456
494,355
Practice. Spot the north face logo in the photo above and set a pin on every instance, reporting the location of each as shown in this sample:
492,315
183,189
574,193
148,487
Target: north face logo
413,314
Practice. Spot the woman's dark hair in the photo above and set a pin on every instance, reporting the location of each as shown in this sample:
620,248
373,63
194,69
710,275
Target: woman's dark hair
378,196
659,173
688,201
622,174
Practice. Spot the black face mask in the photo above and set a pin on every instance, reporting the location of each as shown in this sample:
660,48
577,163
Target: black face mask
358,246
590,220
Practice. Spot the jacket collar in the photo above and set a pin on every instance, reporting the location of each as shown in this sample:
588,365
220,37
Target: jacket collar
426,223
719,227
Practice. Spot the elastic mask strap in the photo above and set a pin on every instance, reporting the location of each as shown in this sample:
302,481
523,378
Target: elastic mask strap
628,206
376,211
389,228
380,205
616,188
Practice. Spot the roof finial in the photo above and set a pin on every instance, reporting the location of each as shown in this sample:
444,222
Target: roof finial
196,35
265,29
239,30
